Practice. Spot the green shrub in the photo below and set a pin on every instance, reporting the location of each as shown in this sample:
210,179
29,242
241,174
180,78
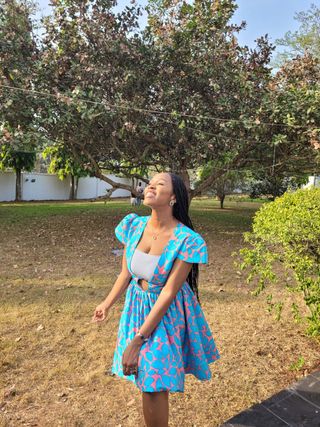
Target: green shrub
287,230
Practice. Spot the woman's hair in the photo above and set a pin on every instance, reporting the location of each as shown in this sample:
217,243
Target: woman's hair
181,213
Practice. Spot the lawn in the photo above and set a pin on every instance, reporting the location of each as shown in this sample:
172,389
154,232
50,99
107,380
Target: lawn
56,265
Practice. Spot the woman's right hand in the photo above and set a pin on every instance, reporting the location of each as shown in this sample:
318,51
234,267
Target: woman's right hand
100,313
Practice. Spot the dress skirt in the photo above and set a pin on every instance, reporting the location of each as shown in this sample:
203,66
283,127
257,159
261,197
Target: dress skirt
181,343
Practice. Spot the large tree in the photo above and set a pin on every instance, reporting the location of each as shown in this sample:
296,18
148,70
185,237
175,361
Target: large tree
177,95
88,57
134,99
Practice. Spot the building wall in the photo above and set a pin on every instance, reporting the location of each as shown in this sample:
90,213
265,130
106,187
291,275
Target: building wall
314,181
43,186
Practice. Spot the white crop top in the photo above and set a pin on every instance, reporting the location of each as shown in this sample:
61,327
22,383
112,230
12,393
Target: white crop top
143,265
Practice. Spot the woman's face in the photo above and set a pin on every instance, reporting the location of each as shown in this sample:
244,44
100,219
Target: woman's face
159,191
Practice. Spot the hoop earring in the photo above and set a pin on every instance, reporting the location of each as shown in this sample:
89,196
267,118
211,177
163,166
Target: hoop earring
172,202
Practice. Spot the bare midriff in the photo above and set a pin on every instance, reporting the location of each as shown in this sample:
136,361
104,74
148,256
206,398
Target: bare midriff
143,284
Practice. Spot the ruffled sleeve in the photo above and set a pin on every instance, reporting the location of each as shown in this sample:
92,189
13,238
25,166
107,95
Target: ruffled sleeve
193,250
122,230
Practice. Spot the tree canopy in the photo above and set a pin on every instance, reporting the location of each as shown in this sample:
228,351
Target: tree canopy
175,95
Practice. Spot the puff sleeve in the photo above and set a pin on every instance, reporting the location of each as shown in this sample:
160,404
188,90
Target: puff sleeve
193,250
122,230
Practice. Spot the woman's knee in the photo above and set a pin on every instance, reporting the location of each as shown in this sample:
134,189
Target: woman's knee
154,395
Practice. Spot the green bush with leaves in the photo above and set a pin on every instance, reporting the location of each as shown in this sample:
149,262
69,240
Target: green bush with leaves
287,230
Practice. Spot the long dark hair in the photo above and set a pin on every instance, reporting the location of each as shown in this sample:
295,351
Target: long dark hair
181,213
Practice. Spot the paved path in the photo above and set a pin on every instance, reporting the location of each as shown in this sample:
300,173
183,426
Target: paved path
296,406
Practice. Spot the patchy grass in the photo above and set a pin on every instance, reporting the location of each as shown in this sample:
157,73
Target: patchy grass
57,265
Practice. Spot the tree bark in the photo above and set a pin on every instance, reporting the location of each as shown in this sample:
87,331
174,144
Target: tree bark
76,187
74,181
221,198
72,189
18,185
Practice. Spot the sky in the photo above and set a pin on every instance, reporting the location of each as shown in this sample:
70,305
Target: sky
272,17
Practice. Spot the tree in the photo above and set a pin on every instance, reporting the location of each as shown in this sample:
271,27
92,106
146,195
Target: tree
305,40
292,105
275,185
148,97
63,164
87,61
18,161
18,65
225,184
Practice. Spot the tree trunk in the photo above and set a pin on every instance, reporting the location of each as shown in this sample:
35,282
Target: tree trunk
76,187
18,185
72,188
221,198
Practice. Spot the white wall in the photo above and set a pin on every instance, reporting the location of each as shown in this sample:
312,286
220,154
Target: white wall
43,186
40,186
314,181
7,186
93,187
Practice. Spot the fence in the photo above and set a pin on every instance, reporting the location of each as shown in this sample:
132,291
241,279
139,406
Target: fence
43,186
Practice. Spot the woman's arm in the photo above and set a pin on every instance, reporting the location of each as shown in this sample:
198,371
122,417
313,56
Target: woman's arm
120,284
176,279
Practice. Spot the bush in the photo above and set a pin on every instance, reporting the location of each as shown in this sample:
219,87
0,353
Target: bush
287,230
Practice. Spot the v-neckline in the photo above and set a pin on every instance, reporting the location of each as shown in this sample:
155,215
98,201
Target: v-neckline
165,249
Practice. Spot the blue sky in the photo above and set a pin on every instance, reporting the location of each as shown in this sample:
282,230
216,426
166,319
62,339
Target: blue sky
272,17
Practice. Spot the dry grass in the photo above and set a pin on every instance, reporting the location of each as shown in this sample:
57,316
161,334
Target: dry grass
57,265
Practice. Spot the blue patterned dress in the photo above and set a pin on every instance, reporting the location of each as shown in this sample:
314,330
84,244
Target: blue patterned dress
182,342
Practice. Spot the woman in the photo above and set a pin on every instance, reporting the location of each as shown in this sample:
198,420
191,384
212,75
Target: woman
163,333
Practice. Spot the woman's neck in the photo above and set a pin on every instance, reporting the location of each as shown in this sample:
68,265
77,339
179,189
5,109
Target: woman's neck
160,220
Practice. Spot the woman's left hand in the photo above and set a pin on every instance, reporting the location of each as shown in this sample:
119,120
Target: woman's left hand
131,356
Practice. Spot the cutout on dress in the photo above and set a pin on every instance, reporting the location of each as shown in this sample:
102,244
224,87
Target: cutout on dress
143,284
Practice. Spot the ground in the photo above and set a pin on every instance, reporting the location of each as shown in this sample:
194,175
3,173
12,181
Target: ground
57,265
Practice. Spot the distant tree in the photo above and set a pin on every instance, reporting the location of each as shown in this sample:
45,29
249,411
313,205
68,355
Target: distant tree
18,161
65,165
305,40
225,184
275,185
290,121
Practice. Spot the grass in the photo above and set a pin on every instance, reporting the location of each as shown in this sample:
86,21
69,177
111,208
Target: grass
57,265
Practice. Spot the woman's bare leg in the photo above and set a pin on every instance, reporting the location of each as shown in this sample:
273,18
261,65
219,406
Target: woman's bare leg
156,408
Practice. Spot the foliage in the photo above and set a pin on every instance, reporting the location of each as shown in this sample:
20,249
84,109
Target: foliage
305,39
62,163
88,59
275,185
18,66
225,184
292,108
17,160
288,231
148,96
124,100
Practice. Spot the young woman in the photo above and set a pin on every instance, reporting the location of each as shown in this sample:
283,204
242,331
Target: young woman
163,333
